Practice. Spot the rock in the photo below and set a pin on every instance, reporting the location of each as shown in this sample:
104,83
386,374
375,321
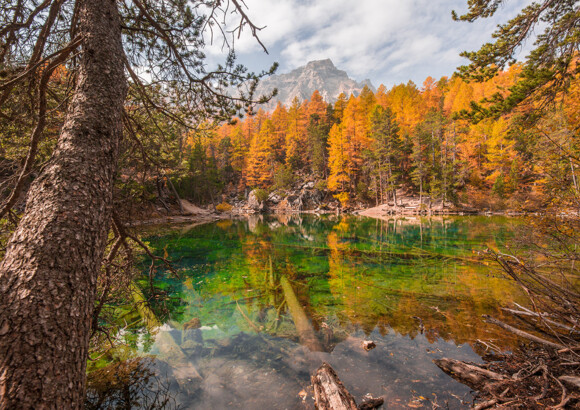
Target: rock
254,203
369,402
368,345
274,197
193,335
284,206
191,346
292,197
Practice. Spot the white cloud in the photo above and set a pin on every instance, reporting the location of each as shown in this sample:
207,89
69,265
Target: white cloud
388,41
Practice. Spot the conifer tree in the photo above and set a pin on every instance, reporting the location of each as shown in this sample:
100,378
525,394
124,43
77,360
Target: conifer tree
49,272
338,159
296,137
355,128
386,150
260,158
280,124
548,69
340,106
317,131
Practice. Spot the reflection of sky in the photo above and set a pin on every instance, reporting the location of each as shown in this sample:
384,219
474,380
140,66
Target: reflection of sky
387,41
259,372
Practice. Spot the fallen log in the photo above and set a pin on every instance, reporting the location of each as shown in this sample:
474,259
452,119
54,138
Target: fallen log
330,393
471,375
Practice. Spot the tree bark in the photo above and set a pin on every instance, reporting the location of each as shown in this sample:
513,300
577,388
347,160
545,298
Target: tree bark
329,392
49,273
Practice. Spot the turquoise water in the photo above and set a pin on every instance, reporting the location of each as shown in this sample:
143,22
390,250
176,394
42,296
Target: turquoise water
256,305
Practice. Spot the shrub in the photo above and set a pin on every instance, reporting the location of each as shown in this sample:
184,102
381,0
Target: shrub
224,207
321,185
261,194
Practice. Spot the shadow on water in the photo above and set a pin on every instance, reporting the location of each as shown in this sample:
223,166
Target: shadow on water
260,303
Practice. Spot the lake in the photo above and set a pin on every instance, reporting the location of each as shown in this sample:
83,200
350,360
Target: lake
256,305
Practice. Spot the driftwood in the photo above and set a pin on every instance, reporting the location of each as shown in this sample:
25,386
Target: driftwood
330,393
521,333
473,376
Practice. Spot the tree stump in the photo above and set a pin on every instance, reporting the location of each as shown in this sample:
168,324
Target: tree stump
329,392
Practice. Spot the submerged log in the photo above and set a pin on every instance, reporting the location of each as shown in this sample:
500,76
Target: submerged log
306,333
330,393
183,369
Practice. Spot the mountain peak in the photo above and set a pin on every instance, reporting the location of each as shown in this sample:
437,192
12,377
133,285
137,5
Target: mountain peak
316,64
321,75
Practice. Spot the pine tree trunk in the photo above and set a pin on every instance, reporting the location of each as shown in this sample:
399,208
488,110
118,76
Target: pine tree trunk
381,184
421,194
392,183
49,273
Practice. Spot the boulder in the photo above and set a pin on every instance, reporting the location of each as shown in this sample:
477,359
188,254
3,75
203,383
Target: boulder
254,203
274,197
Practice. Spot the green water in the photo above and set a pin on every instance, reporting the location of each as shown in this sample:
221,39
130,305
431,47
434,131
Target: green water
256,305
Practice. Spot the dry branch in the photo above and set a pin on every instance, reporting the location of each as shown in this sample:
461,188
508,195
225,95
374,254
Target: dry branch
521,333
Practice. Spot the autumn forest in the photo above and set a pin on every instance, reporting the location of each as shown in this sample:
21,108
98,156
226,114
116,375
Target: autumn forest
421,140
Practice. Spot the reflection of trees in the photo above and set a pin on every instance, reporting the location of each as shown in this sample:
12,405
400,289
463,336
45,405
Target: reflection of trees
345,273
270,270
439,287
362,305
129,384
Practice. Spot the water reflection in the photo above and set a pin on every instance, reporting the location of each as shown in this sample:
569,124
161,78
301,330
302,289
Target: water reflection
133,383
262,302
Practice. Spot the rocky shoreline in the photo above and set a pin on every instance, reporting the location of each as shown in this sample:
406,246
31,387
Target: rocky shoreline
307,198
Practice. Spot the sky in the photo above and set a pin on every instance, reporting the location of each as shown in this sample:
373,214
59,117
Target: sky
386,41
